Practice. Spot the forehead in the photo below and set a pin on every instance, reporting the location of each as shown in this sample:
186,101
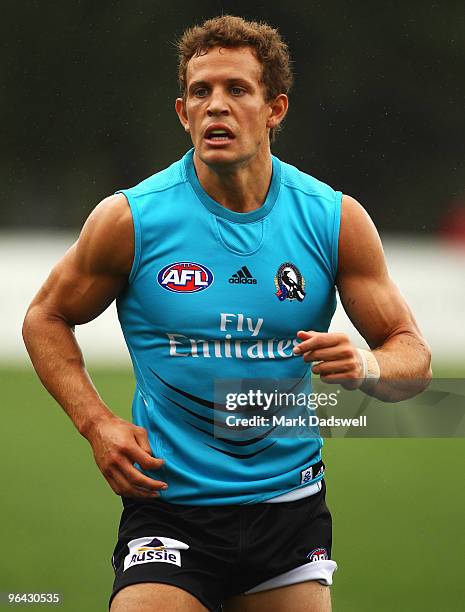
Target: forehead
224,62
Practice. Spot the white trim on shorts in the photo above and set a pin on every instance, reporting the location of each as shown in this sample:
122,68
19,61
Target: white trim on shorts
296,494
322,571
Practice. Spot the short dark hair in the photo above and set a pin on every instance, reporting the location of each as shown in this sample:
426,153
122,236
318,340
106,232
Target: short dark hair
230,31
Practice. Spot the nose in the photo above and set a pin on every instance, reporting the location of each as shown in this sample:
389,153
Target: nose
217,104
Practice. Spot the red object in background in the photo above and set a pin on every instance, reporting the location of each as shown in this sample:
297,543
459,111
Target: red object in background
452,227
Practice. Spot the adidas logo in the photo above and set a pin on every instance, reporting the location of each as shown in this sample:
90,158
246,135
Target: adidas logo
243,277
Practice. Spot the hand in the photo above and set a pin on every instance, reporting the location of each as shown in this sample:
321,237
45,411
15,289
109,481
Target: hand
340,362
117,445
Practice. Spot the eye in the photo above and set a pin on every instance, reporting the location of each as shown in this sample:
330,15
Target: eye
237,91
200,92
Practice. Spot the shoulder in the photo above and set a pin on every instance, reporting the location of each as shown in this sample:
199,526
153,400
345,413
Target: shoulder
356,223
160,181
112,213
359,242
106,242
296,179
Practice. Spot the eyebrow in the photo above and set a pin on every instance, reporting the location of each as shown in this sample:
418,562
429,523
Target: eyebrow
202,83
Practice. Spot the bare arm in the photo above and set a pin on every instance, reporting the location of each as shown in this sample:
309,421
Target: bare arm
80,287
379,312
373,302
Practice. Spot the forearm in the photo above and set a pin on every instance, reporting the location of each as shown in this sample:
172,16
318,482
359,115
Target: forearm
58,361
404,361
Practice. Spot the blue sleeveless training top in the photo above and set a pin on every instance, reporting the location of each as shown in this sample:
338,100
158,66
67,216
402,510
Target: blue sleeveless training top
218,294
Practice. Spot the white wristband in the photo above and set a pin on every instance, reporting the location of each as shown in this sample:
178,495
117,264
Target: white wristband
370,369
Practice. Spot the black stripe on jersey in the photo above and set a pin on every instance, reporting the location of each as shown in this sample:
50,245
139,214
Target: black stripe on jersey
237,455
235,442
216,406
246,271
194,398
202,418
199,400
224,440
221,426
209,404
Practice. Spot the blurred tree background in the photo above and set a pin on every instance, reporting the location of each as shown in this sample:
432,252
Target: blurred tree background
88,93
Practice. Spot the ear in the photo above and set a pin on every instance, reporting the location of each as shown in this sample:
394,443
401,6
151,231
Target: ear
278,109
181,112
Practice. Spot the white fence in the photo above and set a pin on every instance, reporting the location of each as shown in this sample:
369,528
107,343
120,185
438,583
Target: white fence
430,274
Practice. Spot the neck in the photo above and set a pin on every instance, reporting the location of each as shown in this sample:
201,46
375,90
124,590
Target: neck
239,187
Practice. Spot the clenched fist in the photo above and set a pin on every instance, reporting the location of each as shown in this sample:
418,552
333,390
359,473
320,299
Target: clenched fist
338,361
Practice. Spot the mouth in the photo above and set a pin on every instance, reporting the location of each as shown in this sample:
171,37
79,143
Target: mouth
218,134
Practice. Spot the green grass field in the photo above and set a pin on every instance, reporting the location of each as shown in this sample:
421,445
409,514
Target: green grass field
399,535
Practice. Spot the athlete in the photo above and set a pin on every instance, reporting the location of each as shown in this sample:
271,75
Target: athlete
211,521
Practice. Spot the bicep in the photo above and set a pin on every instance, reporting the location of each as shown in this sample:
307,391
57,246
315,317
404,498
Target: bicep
370,298
75,295
94,270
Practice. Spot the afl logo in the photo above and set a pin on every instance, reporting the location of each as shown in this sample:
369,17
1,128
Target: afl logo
185,277
319,554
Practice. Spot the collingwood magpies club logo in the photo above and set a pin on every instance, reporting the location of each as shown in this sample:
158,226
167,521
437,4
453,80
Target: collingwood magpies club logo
290,283
243,277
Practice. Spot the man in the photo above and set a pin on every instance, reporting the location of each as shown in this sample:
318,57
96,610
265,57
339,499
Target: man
211,521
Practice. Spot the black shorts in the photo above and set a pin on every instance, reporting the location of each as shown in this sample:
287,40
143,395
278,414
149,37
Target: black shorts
216,552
